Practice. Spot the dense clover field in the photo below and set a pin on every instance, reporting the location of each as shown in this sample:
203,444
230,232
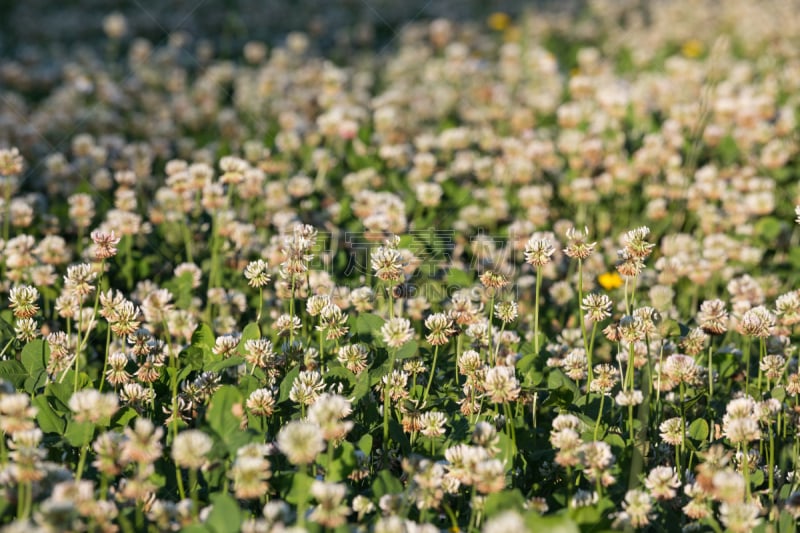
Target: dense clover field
525,273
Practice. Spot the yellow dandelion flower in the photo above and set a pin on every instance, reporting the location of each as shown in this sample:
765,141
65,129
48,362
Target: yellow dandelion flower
512,35
609,280
692,48
498,21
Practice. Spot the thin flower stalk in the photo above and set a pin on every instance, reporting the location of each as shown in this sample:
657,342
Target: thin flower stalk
432,372
537,293
583,327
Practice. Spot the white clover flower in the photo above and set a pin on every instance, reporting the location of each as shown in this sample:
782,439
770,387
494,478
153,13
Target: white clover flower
190,448
396,332
90,405
300,442
662,482
328,412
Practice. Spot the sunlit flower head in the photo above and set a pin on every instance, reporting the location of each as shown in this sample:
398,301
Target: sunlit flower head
396,332
300,441
190,448
578,246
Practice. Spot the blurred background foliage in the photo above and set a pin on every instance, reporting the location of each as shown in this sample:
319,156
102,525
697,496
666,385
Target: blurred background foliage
32,27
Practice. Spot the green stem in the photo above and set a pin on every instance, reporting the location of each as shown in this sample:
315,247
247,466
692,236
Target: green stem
710,396
214,268
8,344
179,479
105,359
497,349
599,415
568,486
3,450
629,370
762,351
81,231
26,510
458,352
658,381
329,468
47,308
386,400
682,389
771,471
796,447
583,326
472,515
214,274
746,364
710,521
187,241
81,462
301,506
625,297
260,304
491,318
7,217
746,471
125,524
451,515
193,489
369,264
321,353
433,371
95,307
77,351
630,423
69,341
512,430
127,248
291,308
536,310
139,515
710,373
83,340
20,499
591,342
173,363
